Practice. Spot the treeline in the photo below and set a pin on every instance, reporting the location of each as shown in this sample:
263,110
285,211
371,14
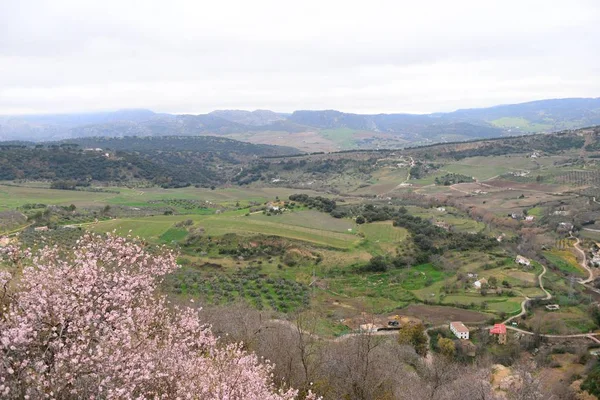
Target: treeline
452,179
320,203
65,165
202,144
428,240
551,144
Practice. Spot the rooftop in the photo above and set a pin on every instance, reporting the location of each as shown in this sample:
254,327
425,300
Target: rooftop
498,329
459,327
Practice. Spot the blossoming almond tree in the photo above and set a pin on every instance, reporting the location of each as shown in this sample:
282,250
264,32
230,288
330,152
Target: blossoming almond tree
91,324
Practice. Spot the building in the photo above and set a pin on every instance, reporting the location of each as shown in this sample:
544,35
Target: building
479,284
529,218
499,330
460,330
522,261
565,227
552,307
41,229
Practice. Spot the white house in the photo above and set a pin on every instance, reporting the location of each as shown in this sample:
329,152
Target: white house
522,261
529,218
459,329
478,284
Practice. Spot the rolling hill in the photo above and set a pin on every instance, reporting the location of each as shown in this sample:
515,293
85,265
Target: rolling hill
324,130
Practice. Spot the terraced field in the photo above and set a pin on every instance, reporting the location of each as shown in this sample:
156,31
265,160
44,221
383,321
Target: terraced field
153,227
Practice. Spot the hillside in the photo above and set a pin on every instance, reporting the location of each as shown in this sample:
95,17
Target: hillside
320,130
165,161
537,116
181,143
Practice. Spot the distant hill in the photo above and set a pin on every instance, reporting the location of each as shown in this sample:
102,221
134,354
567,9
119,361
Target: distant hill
536,116
252,118
171,161
311,130
203,144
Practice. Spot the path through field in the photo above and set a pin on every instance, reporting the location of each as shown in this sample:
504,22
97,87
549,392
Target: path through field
528,299
583,262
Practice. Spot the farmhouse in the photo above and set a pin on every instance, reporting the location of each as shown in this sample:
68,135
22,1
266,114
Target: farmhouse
565,226
499,330
459,329
529,218
479,284
522,261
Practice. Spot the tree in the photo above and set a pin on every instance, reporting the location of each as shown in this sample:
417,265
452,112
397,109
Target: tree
592,382
493,282
447,347
92,324
414,335
360,220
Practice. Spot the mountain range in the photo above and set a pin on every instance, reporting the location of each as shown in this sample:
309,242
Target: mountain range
324,130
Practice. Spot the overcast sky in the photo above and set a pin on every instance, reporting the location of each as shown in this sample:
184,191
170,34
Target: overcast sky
357,56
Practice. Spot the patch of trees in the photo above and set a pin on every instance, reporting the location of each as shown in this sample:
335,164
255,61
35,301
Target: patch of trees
451,179
421,170
251,173
592,382
365,212
415,336
552,144
320,203
430,239
56,163
149,144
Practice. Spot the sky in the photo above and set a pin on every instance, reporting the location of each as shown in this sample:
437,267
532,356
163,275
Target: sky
59,56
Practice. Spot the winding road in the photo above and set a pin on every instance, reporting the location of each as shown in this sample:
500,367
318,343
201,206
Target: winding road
591,336
528,299
583,262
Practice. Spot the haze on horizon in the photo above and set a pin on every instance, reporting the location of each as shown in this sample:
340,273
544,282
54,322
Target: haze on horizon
377,57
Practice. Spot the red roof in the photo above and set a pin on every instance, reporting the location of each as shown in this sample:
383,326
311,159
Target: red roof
498,329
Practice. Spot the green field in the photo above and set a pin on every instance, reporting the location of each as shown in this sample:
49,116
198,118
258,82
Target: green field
565,261
344,137
457,222
14,196
522,124
154,227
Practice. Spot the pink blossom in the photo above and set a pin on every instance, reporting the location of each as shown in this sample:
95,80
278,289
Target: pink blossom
92,324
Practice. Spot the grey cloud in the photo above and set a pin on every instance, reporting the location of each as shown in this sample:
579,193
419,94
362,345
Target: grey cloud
378,56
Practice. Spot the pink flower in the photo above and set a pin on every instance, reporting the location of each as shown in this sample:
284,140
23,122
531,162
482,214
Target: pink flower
93,322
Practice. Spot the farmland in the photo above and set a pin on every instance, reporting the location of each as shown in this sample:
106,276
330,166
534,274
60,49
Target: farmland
233,246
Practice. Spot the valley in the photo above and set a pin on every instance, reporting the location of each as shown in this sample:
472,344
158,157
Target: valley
358,239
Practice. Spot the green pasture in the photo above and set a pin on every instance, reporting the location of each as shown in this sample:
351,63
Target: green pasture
153,227
522,124
565,262
344,137
14,196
